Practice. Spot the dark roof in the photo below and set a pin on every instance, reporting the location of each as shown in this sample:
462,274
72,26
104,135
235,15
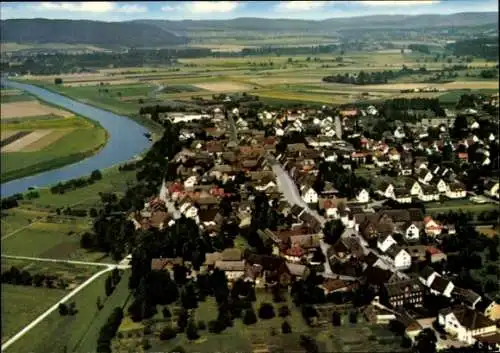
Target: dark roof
268,262
483,304
376,275
400,287
469,318
394,250
426,272
370,259
467,296
296,210
439,284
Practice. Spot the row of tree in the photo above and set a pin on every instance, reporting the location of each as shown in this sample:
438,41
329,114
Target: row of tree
15,276
108,331
378,77
62,187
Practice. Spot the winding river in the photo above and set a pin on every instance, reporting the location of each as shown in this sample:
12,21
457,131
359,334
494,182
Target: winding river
126,140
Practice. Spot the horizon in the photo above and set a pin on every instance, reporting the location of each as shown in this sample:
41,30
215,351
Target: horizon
232,10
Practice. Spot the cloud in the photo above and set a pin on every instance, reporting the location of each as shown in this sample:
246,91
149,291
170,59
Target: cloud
211,6
297,6
88,7
398,3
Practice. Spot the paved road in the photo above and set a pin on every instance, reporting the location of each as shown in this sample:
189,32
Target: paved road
232,125
66,261
49,311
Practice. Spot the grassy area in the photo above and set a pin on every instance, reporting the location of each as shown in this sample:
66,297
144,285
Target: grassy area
77,333
464,205
22,304
16,98
57,236
263,335
70,148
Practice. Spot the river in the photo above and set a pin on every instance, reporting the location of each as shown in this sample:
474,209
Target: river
126,140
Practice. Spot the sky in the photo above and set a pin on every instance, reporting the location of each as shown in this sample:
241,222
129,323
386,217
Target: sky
196,10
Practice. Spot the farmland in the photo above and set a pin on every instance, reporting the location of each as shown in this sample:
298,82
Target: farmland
293,79
37,137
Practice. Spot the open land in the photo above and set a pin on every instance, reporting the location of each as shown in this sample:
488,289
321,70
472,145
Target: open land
37,137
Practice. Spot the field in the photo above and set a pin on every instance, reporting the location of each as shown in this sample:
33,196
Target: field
263,336
27,109
22,304
76,333
274,79
37,137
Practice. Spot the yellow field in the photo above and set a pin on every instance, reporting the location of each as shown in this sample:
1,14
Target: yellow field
443,86
98,82
46,140
24,142
29,109
223,86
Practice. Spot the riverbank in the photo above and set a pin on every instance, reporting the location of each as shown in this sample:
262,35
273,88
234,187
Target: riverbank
125,140
66,139
154,128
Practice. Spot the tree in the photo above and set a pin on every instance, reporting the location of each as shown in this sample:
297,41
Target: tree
178,349
108,286
336,318
167,333
63,309
285,327
425,342
215,326
96,175
266,311
249,318
72,308
115,276
98,303
182,319
201,325
309,344
58,81
283,311
92,213
405,342
145,344
166,313
353,317
333,230
192,331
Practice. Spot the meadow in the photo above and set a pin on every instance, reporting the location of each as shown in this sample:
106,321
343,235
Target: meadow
274,79
37,136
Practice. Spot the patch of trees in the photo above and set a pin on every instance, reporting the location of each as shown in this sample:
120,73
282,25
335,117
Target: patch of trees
15,276
490,73
128,166
486,48
369,78
108,331
11,201
74,184
421,48
345,181
112,281
67,309
320,49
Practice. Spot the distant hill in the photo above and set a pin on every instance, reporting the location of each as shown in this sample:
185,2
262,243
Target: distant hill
111,34
330,25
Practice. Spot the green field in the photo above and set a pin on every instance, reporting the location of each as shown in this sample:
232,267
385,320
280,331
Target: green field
22,304
16,98
72,147
77,333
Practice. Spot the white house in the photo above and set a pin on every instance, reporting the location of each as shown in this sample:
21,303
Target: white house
441,286
442,187
270,184
363,196
399,257
415,188
411,232
188,210
474,125
181,117
491,189
386,190
456,191
309,195
385,243
431,227
402,195
427,275
429,193
465,324
399,133
424,176
191,181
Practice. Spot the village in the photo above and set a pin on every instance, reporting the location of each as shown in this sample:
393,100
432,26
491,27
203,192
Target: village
362,213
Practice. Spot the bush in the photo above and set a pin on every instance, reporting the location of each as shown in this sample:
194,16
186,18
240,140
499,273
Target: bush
285,327
202,325
145,344
249,318
353,317
167,333
63,309
266,311
215,326
336,318
166,313
192,331
284,311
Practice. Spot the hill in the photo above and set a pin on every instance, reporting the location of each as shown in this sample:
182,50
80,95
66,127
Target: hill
329,25
107,34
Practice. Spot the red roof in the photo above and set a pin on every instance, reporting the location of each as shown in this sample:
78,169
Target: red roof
433,250
463,156
295,251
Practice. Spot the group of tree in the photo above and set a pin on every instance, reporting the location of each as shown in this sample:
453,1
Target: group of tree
486,48
369,78
108,331
112,281
11,201
345,181
15,276
67,309
62,187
